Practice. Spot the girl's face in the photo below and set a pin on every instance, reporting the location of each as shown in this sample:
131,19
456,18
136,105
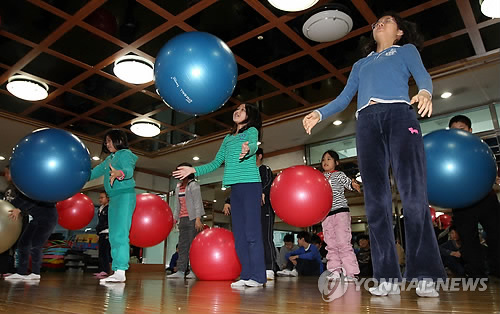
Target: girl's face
109,145
386,28
240,115
328,163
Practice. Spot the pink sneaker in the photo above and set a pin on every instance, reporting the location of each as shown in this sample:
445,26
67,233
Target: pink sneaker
102,273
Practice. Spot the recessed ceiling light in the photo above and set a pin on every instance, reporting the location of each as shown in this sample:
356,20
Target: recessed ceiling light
145,128
134,69
327,23
215,201
223,188
260,37
337,122
490,8
196,158
26,88
96,158
359,220
205,216
259,142
446,95
2,158
292,5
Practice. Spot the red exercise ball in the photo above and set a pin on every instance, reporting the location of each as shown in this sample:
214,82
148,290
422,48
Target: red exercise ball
152,221
301,196
75,212
213,256
445,220
433,213
321,236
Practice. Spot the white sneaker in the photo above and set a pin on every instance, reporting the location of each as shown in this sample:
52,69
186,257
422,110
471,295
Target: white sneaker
177,275
16,277
426,288
253,283
118,276
32,276
294,273
270,274
283,273
191,275
238,284
334,275
385,288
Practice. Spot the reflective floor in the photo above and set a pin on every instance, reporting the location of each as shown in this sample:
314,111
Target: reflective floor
152,293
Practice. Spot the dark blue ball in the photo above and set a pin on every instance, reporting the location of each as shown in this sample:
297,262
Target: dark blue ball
461,168
50,165
195,73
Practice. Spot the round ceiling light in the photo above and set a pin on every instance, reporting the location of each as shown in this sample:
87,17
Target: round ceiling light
292,5
327,23
27,88
145,128
490,8
134,69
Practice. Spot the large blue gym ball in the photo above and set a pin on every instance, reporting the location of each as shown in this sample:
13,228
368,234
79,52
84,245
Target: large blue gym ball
195,73
50,165
461,168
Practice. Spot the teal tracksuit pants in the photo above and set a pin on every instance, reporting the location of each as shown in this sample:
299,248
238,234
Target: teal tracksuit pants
121,209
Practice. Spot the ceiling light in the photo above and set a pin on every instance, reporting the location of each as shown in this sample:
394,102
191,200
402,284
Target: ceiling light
2,158
215,201
327,23
446,95
96,158
196,158
134,69
260,37
258,143
292,5
337,122
145,128
359,220
490,8
26,88
223,188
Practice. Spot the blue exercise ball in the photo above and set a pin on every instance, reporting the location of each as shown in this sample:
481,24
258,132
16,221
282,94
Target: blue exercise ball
461,168
195,73
50,165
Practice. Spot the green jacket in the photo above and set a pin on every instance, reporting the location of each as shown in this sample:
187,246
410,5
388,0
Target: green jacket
236,170
123,160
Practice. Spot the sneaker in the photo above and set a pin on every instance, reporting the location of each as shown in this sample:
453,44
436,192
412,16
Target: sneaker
270,274
118,276
253,283
32,277
385,288
191,275
179,274
350,279
294,273
334,275
238,284
102,274
426,288
283,273
16,277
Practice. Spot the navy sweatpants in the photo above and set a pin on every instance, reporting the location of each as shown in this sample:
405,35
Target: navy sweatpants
389,135
247,230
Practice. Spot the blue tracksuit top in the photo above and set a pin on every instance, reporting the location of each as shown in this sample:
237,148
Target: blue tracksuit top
312,254
381,77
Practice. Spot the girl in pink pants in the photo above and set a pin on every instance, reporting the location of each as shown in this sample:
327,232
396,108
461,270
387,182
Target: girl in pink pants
337,225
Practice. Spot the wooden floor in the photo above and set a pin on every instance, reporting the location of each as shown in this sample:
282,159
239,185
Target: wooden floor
152,293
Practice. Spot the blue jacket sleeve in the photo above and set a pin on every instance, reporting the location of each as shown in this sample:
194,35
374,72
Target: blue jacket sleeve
417,69
345,97
311,255
298,251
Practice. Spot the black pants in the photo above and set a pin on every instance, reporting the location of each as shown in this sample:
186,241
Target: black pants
389,136
187,233
104,253
267,221
305,267
487,213
33,238
455,264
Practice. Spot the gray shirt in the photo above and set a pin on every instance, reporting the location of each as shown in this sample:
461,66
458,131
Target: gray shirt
194,203
282,261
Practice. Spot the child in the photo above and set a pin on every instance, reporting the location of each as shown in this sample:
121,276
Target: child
305,261
289,246
188,211
237,152
118,172
36,233
172,266
337,225
102,231
388,135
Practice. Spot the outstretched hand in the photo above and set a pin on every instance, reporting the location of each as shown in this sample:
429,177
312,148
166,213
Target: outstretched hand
310,121
424,103
113,174
182,172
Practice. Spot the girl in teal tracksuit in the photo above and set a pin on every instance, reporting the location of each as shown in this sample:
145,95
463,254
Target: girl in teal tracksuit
118,172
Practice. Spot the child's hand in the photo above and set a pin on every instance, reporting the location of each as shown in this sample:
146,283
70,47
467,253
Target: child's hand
182,172
14,213
114,174
424,103
310,121
355,185
244,150
198,225
227,209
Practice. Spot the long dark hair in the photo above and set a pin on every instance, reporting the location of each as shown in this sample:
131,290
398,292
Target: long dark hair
119,139
410,34
253,120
